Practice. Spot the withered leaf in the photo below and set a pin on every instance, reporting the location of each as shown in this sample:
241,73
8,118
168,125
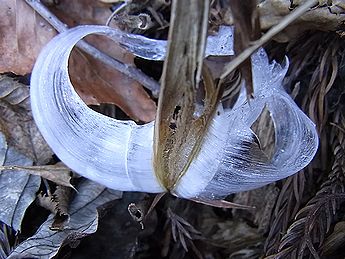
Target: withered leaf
57,203
178,133
101,84
83,221
56,173
17,191
95,82
327,16
16,121
23,34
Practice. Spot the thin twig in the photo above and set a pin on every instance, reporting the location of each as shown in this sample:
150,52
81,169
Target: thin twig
35,168
266,37
129,71
116,11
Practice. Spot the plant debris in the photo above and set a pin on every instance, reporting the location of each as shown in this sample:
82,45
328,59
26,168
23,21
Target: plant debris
298,217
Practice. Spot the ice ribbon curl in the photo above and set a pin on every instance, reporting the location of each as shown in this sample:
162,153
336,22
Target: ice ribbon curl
118,154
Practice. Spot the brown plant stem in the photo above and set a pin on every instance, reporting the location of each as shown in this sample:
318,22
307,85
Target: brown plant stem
266,37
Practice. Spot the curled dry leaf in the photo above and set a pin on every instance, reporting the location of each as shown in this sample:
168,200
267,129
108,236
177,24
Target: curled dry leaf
83,221
16,121
57,203
17,191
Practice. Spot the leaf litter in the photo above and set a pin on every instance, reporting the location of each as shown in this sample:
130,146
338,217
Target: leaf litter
16,121
17,191
98,83
94,82
23,34
83,221
21,149
57,203
218,225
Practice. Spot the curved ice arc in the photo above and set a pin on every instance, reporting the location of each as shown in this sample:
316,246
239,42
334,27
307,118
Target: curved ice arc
100,148
118,154
230,161
220,44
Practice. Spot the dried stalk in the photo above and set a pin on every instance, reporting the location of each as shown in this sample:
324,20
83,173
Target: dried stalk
266,37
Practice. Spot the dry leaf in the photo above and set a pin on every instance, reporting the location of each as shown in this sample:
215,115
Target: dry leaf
105,85
326,17
23,34
16,121
57,203
17,191
58,174
46,201
95,82
83,221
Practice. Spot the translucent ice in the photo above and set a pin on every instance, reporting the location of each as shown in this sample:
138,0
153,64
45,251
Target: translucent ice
118,154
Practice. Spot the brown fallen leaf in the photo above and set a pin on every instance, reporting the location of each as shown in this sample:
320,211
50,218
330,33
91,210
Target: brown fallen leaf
324,16
57,203
84,218
56,173
24,33
17,124
104,85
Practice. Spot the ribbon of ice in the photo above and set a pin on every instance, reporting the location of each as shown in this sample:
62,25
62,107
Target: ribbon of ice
118,154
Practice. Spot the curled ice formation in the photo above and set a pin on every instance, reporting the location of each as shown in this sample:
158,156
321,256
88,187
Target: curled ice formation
118,154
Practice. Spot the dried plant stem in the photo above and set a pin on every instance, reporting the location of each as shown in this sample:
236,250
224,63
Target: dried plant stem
17,168
266,37
116,11
59,174
126,69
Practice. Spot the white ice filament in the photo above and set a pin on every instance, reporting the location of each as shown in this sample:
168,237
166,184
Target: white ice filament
118,154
